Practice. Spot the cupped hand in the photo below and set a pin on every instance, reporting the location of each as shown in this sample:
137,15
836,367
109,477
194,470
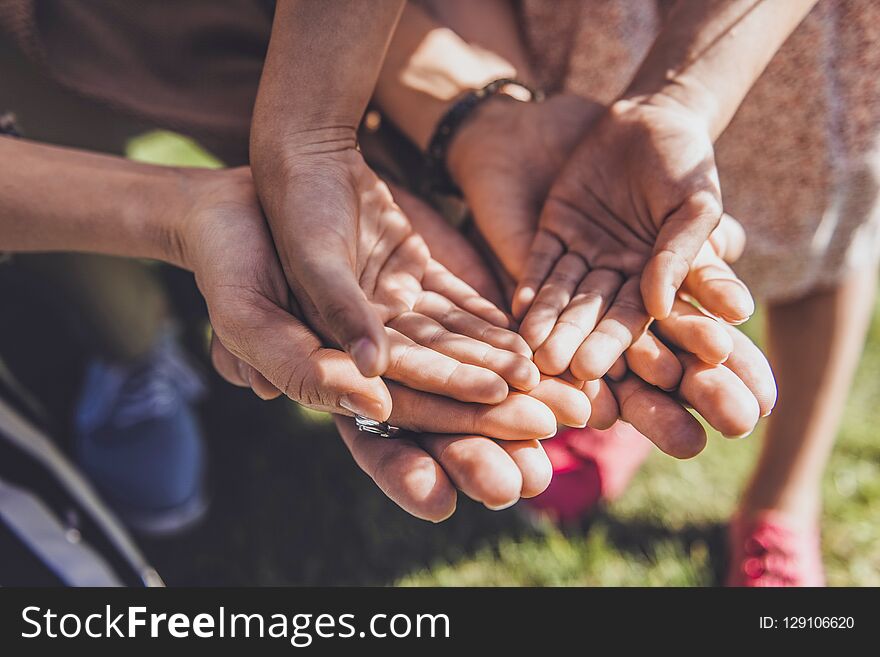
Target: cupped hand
352,259
586,324
563,396
259,343
621,230
448,447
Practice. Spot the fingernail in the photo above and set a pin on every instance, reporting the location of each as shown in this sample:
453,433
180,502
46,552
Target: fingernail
738,298
260,395
501,507
243,369
365,354
447,516
550,435
360,405
735,322
742,435
669,299
616,375
249,377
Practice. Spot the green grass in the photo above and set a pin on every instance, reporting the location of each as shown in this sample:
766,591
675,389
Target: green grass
290,507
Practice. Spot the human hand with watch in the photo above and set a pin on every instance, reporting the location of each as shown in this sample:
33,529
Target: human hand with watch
505,158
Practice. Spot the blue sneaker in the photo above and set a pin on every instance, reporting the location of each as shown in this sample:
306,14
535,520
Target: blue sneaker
138,439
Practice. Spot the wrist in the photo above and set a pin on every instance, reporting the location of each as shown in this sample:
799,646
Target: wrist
464,112
468,140
290,172
173,206
680,94
270,142
277,160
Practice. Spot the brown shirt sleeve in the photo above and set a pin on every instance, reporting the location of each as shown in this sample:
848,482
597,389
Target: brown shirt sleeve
190,65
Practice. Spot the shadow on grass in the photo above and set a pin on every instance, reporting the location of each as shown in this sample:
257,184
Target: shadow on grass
639,537
291,507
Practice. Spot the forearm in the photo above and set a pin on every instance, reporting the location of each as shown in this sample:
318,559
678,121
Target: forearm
710,52
441,52
59,199
320,69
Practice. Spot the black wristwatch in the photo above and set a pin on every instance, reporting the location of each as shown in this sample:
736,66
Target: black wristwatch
435,157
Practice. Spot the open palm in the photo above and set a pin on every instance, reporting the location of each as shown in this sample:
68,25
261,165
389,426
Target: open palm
620,230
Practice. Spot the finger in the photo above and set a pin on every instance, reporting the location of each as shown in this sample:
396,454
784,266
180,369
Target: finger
752,368
570,378
719,395
545,252
239,373
261,385
552,299
568,402
519,417
478,467
728,239
653,362
534,466
291,359
690,330
624,322
448,246
438,279
618,370
329,284
442,310
227,365
603,404
407,474
506,282
431,371
515,369
590,303
659,417
679,240
713,284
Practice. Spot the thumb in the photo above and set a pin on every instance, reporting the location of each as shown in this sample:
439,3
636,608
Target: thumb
679,240
239,373
329,284
318,242
715,286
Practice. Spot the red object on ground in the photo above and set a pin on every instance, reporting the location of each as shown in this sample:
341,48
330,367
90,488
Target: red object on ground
589,466
768,551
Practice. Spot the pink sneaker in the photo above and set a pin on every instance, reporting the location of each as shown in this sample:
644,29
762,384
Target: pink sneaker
589,466
766,551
